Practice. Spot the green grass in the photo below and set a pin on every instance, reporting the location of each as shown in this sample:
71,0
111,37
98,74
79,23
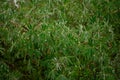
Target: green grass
59,40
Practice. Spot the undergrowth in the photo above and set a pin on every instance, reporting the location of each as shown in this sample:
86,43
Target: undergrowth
59,40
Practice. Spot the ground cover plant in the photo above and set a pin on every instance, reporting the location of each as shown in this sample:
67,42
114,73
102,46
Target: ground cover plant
59,40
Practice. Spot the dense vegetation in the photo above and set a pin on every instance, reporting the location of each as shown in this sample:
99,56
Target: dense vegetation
60,40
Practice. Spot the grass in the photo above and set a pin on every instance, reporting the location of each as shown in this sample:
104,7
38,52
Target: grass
59,40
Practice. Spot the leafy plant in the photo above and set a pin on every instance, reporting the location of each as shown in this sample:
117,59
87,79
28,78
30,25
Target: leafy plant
59,40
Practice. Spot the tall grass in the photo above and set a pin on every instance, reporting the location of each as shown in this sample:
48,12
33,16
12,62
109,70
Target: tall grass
59,40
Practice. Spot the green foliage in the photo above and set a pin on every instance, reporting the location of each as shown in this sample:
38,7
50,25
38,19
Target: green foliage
59,40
